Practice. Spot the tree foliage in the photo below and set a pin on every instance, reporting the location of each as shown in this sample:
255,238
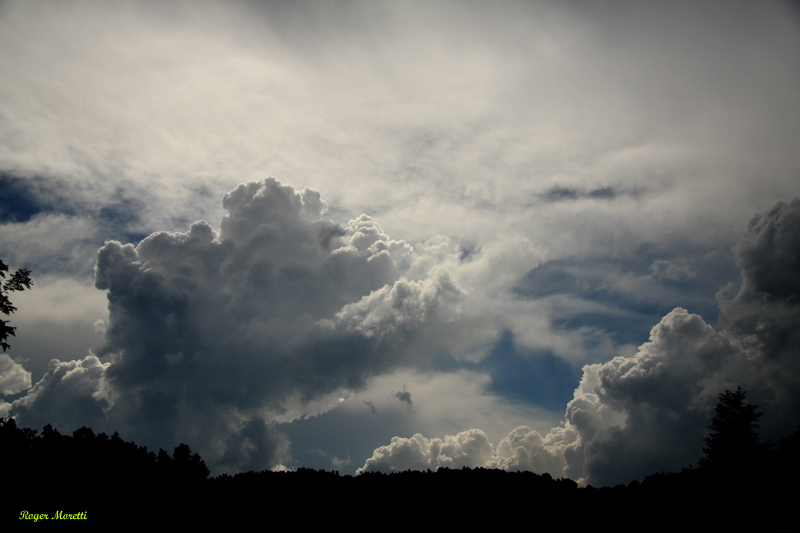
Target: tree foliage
18,281
734,435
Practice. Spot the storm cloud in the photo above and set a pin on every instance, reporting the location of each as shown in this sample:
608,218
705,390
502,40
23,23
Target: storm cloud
266,321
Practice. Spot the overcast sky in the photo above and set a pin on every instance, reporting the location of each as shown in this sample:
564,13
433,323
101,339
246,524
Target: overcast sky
390,235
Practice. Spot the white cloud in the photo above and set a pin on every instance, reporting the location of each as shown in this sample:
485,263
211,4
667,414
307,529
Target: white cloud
468,448
525,449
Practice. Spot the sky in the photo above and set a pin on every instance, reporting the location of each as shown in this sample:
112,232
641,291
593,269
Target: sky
386,235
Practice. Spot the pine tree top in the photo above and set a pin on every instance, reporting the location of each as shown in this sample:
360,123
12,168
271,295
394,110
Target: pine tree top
734,435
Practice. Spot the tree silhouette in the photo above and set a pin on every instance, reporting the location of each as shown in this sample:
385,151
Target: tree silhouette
19,281
187,466
733,436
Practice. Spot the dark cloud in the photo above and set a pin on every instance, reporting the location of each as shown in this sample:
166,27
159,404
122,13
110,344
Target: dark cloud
254,444
560,194
603,193
769,256
71,394
405,397
557,194
214,338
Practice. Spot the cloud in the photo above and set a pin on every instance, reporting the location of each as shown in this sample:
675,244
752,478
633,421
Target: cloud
670,270
54,242
468,448
405,397
468,119
766,311
124,120
254,444
214,338
636,415
769,256
13,376
340,463
71,394
560,194
58,316
524,449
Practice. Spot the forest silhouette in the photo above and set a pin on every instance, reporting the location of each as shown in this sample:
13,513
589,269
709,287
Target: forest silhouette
740,483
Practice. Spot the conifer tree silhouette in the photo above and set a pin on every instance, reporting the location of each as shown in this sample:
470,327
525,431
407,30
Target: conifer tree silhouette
734,436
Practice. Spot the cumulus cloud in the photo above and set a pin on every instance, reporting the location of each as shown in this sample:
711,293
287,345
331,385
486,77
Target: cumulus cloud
468,448
71,393
640,414
215,337
766,311
525,449
769,256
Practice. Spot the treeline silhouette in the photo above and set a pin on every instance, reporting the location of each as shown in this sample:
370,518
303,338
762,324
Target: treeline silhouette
47,472
110,479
